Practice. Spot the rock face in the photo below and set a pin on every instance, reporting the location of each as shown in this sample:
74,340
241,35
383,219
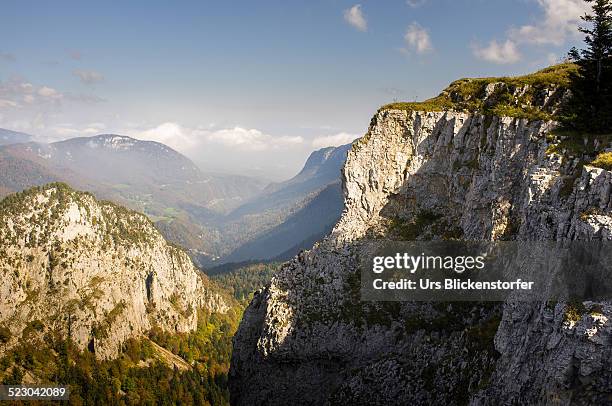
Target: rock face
308,339
93,271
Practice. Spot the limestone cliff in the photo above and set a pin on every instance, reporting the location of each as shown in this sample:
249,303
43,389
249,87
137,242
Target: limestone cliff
93,271
482,162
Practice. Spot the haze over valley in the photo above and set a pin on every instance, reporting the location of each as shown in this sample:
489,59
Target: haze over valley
218,218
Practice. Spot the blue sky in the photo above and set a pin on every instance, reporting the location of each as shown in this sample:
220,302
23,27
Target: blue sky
255,86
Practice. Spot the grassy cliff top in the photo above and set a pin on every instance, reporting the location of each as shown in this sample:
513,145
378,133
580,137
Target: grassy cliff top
506,100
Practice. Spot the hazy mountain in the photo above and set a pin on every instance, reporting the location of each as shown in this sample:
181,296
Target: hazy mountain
114,159
288,213
144,174
18,173
136,169
298,231
210,215
13,137
321,168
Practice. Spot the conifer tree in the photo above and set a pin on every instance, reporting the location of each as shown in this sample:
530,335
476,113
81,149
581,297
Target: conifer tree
590,108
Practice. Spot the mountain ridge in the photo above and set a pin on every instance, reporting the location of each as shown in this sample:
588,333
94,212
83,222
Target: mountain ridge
94,271
312,221
8,137
144,175
110,162
284,205
209,215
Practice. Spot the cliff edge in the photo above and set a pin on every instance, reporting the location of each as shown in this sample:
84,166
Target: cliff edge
482,161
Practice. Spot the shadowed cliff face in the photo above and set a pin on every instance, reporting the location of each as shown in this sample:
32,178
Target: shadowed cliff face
308,339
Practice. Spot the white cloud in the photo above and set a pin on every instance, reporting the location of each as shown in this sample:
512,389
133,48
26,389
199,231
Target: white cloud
354,16
171,134
16,91
237,149
8,103
24,94
49,92
417,39
94,128
88,77
39,109
68,130
251,139
560,21
415,3
500,53
64,131
334,140
182,138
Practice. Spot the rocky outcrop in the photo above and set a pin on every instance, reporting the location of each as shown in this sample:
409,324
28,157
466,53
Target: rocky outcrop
423,172
93,271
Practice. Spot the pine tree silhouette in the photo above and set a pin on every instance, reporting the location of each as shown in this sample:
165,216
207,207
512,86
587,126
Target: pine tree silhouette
590,107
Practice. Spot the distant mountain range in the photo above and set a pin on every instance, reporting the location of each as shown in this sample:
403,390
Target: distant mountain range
217,218
299,210
299,231
142,174
321,169
13,137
